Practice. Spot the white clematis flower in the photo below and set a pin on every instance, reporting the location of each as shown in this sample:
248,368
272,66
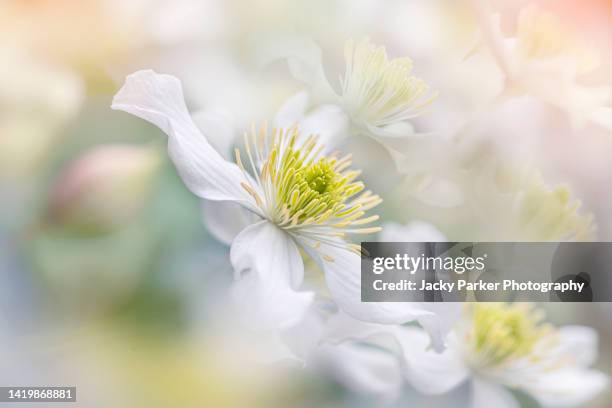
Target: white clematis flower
547,60
379,95
294,196
502,347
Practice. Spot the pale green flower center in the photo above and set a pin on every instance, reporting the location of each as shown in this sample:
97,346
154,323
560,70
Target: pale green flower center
304,192
502,333
379,91
552,214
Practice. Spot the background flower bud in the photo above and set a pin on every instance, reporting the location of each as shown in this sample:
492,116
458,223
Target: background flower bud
104,188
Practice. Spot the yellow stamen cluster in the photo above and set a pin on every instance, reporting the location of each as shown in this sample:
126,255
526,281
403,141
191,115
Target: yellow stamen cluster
502,333
304,192
552,214
380,91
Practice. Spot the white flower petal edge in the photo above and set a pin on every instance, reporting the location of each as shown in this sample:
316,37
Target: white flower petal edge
486,394
264,249
225,219
269,268
414,231
343,277
365,370
427,370
159,100
327,121
216,125
568,387
268,307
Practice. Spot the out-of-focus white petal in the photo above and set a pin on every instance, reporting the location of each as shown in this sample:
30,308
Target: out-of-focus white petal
603,117
225,219
486,395
567,387
305,62
218,128
343,277
264,304
292,111
580,343
328,121
270,252
159,99
429,371
361,369
426,370
415,231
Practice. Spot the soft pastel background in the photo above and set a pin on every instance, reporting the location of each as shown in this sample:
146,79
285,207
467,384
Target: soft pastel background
108,279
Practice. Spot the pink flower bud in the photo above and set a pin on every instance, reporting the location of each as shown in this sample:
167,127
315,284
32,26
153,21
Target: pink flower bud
104,188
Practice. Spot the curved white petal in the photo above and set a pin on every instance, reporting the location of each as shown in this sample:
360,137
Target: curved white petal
218,128
361,369
415,231
264,304
329,122
292,111
343,277
305,61
567,387
428,371
486,395
225,219
580,343
268,269
159,99
270,253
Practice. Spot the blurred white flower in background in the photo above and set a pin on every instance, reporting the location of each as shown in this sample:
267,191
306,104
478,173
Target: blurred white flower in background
500,347
472,199
549,61
36,100
379,95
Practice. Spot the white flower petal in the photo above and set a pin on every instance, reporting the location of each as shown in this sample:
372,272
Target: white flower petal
292,111
579,343
329,122
225,219
263,304
217,126
267,251
486,395
343,277
361,369
159,99
567,387
415,231
305,62
430,372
